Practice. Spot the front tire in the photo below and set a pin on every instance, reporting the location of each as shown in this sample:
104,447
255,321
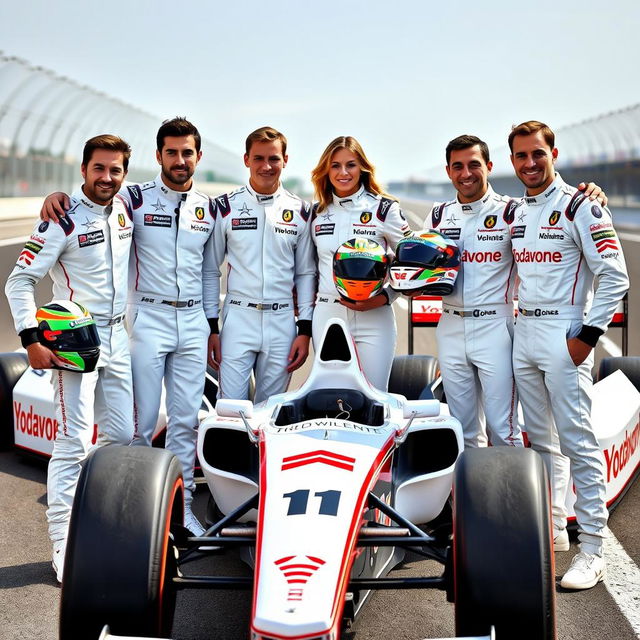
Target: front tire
120,560
503,560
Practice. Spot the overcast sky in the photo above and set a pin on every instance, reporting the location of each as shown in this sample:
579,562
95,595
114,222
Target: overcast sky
403,76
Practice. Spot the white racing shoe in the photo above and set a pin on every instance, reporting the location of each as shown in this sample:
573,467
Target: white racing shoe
561,540
585,571
192,524
195,528
57,562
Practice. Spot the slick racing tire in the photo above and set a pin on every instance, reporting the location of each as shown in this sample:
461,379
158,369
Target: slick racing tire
12,366
120,560
629,365
412,376
504,572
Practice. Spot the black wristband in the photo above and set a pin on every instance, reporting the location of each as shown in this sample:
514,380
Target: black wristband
304,327
213,325
29,336
589,335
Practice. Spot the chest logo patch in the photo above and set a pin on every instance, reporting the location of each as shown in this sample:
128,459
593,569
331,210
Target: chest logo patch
365,217
91,238
287,215
490,221
240,224
324,229
200,213
156,220
554,217
453,233
121,220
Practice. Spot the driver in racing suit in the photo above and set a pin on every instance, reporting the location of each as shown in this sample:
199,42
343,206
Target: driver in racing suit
475,331
86,257
561,241
263,230
171,297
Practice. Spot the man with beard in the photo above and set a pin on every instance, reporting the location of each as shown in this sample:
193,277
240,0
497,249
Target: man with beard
86,257
170,296
561,243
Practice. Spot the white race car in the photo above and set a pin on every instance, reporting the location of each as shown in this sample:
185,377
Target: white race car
324,489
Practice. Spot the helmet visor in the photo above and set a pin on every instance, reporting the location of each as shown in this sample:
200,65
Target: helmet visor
422,254
75,339
360,269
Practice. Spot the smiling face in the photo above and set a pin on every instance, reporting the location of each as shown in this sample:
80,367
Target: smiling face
469,173
533,161
103,175
178,160
265,162
344,172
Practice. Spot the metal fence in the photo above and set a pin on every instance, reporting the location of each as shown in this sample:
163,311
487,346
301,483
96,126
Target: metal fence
45,118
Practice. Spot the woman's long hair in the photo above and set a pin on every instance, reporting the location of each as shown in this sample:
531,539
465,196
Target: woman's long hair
320,175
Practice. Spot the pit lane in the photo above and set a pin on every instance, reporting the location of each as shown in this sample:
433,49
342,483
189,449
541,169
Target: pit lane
29,596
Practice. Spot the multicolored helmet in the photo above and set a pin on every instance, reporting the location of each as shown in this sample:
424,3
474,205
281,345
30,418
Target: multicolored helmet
428,263
359,268
68,329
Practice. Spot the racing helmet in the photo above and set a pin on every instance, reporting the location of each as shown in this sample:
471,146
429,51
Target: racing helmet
68,329
428,264
359,268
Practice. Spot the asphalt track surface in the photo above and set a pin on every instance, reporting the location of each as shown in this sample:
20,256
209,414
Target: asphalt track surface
29,595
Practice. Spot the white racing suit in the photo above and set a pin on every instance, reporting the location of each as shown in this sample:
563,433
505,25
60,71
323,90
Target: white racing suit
86,256
170,299
561,240
265,239
373,217
475,331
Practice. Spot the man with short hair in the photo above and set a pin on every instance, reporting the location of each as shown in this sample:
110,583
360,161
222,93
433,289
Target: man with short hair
476,328
561,242
87,258
263,230
171,297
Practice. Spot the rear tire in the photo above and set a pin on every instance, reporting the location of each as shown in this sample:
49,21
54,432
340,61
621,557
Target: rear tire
120,560
504,572
12,366
412,376
629,365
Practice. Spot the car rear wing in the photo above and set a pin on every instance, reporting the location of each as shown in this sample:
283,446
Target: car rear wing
425,311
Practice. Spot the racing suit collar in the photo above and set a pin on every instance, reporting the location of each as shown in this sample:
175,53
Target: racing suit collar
476,205
347,200
79,196
177,195
264,198
543,197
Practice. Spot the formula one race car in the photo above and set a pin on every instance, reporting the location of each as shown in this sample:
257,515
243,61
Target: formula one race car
324,489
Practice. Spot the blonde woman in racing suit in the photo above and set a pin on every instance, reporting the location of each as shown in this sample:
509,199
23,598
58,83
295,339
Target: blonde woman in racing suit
351,204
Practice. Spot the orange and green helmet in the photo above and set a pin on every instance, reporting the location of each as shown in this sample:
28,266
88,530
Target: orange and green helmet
359,268
68,329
